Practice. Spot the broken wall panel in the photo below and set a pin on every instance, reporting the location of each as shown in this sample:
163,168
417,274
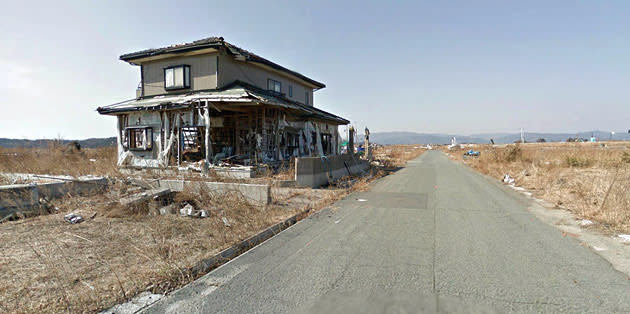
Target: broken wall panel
243,134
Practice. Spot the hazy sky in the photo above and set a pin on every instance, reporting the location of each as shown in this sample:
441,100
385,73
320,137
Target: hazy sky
424,66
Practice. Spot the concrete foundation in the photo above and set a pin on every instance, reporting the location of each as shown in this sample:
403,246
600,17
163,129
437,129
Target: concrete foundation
316,172
257,194
23,197
223,172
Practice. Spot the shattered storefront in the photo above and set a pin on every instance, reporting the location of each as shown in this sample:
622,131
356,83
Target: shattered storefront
241,125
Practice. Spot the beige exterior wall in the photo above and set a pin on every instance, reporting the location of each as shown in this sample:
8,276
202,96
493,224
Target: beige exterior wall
231,70
203,73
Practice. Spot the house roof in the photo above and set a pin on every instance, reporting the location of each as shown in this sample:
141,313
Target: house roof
216,42
237,92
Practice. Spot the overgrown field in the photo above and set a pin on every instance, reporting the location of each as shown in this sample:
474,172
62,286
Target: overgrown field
59,160
592,180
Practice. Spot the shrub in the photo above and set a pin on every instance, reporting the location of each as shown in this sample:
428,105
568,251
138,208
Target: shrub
578,162
513,153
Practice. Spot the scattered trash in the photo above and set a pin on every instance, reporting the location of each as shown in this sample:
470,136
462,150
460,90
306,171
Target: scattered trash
167,210
624,237
337,221
186,210
73,218
599,249
472,153
507,179
190,211
92,159
361,200
585,222
226,222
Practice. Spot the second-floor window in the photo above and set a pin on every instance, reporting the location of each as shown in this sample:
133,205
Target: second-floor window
177,77
290,91
274,85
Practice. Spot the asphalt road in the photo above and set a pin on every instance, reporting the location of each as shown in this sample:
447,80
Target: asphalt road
434,236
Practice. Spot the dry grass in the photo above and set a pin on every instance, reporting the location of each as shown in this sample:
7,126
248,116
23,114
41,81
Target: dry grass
48,265
59,160
588,179
393,156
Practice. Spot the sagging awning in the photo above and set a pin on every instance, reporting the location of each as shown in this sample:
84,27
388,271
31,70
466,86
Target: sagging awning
236,93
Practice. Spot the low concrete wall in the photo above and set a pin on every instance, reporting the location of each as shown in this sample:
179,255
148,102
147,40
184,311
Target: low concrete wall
223,172
21,197
257,194
315,171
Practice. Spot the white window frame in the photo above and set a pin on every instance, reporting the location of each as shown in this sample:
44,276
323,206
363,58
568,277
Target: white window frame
177,77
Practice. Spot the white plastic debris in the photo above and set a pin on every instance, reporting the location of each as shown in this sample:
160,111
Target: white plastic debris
189,210
585,222
92,159
599,249
73,218
226,222
624,237
507,179
361,200
186,210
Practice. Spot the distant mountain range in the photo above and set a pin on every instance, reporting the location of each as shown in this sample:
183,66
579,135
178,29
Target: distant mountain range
384,138
387,138
88,143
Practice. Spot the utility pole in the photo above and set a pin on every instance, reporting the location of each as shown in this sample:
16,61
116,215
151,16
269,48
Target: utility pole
522,136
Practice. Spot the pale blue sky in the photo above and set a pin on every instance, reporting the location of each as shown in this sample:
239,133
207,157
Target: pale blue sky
423,66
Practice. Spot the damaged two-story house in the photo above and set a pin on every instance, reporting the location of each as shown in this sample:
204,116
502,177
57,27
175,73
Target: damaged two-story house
210,101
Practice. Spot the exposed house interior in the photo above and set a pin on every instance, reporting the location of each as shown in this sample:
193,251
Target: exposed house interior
211,101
